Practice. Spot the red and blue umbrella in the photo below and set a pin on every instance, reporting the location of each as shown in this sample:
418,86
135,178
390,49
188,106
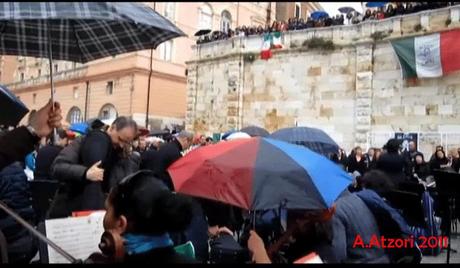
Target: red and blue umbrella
259,174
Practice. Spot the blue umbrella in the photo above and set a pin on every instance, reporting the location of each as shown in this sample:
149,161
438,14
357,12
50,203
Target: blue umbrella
312,138
260,174
12,109
228,133
255,131
81,128
376,4
346,10
319,14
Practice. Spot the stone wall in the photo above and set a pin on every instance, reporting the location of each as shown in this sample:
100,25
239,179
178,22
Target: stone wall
350,90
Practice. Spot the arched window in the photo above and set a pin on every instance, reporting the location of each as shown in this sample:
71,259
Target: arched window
226,21
108,111
205,17
74,115
297,10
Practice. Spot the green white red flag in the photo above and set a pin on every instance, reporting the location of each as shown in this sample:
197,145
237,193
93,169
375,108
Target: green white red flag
431,55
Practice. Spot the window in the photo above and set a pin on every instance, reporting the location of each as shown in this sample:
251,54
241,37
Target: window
55,68
39,72
75,92
74,115
108,111
109,88
170,10
205,17
226,21
34,98
297,10
22,77
166,50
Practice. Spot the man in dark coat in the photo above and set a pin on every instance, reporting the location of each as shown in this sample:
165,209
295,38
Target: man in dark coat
16,144
47,154
392,163
168,154
90,166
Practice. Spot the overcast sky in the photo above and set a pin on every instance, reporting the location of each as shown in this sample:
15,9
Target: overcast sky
332,7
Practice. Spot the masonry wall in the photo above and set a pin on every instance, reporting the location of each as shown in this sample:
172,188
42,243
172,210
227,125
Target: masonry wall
351,91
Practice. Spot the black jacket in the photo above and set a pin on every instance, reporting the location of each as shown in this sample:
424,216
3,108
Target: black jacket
45,158
354,165
394,166
76,192
422,170
167,154
15,145
15,193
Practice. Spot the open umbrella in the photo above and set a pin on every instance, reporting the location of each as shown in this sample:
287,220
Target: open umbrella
319,14
376,4
80,31
259,174
346,10
255,131
12,108
312,138
202,32
81,128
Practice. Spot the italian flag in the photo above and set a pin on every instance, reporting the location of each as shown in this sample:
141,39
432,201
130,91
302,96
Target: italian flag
431,55
277,40
266,53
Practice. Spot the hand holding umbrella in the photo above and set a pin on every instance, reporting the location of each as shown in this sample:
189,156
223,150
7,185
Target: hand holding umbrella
46,119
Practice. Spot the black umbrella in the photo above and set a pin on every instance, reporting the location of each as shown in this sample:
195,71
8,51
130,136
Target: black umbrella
202,32
312,138
12,108
346,10
80,31
255,131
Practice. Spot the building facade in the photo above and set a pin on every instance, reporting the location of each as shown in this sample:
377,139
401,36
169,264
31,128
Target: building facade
301,10
351,88
119,85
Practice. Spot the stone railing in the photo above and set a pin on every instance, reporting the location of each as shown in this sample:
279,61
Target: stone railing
395,27
44,79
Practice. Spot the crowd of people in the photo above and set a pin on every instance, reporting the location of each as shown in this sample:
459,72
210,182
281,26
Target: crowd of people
117,169
353,17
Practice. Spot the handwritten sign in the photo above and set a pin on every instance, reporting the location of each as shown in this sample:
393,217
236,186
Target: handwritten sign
79,236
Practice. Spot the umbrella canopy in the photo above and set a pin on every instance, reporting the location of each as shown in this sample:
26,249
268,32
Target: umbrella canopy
376,4
259,174
228,133
12,109
202,32
81,31
312,138
81,128
255,131
346,10
319,15
237,135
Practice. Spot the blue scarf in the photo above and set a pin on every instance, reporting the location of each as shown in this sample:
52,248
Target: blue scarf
137,244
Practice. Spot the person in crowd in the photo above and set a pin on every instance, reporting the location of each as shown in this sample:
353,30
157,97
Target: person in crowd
143,212
399,10
341,19
22,245
380,14
417,7
16,144
390,12
453,157
367,15
409,8
369,156
373,15
421,169
377,181
393,163
310,23
169,153
352,218
209,141
91,166
440,161
373,161
47,154
349,17
438,148
357,161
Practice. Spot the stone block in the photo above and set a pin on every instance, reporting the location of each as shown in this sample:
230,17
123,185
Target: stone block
445,110
431,109
419,109
314,71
